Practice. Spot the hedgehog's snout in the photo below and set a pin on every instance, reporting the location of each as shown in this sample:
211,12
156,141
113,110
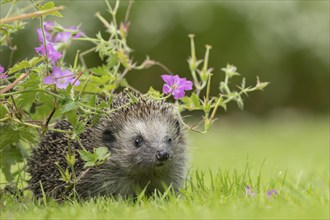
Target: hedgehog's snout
162,155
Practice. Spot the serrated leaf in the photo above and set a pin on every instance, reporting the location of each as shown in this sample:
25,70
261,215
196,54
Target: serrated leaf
3,111
123,59
102,153
73,118
192,102
112,60
70,159
10,155
35,60
100,70
8,136
154,93
19,66
69,106
86,155
47,5
89,164
26,99
79,128
28,134
195,100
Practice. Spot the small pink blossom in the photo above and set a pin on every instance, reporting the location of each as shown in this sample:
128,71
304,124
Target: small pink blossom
176,85
52,53
250,192
272,192
48,26
2,75
61,78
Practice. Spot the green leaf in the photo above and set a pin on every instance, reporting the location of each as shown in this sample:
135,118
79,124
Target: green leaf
86,155
3,111
123,59
102,153
70,159
79,128
69,106
26,99
192,102
8,136
100,70
10,155
240,102
154,93
19,66
50,5
73,118
89,164
35,60
112,60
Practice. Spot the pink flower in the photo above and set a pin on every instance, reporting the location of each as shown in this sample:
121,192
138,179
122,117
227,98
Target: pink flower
67,35
52,53
250,192
62,37
48,36
272,192
48,26
176,85
61,78
2,76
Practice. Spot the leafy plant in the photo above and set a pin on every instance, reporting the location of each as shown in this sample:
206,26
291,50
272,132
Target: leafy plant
36,92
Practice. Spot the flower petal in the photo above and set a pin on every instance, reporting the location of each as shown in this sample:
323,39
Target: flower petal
49,80
75,82
188,85
1,69
178,93
167,89
57,72
169,79
62,84
62,37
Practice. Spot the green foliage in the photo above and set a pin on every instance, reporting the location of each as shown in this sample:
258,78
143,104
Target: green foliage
30,104
98,157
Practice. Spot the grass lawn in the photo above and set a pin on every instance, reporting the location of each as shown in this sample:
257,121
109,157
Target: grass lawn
288,154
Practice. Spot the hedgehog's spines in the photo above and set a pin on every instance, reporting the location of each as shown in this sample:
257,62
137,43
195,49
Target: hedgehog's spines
113,176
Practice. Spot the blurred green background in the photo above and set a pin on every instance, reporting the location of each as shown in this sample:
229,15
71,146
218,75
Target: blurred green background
286,126
283,42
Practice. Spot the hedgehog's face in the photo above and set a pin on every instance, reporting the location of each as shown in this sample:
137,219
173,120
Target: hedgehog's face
152,143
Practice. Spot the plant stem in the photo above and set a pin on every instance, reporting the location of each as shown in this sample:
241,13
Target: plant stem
30,15
12,85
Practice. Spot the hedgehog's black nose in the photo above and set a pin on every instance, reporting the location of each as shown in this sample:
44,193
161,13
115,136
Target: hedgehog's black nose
162,155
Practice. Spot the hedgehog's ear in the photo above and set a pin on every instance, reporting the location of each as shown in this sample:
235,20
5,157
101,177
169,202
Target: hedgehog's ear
108,137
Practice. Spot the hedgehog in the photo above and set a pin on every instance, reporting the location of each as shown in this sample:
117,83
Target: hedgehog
148,147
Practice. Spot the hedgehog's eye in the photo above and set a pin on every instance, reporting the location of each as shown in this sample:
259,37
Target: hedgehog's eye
168,140
138,141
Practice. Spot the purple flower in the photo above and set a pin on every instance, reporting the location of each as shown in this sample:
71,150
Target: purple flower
1,69
77,33
53,54
2,76
176,85
48,26
62,37
61,78
48,36
250,192
272,192
67,35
